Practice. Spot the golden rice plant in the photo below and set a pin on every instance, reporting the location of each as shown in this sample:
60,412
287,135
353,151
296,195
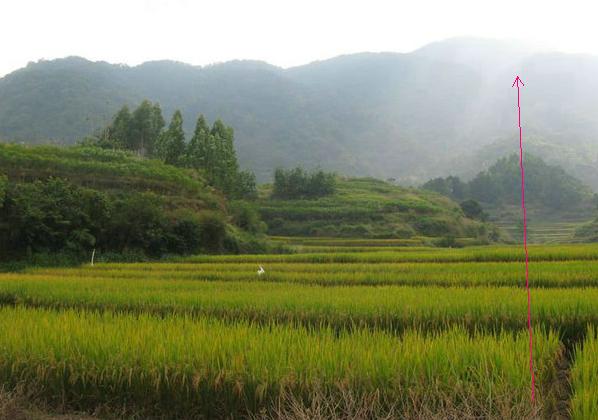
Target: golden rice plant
584,378
179,364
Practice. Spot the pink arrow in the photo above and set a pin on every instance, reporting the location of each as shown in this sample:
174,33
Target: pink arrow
529,299
517,81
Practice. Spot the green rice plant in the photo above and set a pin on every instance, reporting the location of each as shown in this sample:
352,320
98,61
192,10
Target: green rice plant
391,308
347,242
312,249
177,366
207,336
542,273
470,254
584,378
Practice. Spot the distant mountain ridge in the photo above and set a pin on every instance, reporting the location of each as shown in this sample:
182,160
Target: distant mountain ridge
408,116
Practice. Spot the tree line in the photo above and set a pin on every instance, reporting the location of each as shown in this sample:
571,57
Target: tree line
546,185
210,149
55,215
298,183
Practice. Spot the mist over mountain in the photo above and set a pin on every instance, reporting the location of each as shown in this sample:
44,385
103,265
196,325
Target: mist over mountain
445,108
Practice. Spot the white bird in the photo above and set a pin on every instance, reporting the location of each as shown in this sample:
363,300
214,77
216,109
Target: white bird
260,271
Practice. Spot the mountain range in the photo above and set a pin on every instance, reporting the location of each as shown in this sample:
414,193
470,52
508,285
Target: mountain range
446,108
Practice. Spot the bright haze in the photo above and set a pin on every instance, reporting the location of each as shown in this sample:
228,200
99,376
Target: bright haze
283,33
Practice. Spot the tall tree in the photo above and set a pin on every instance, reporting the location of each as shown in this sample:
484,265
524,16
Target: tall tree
146,125
199,146
171,147
226,167
212,150
120,129
297,183
158,124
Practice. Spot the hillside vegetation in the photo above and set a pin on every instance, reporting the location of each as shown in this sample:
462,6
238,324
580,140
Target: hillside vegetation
210,150
557,203
102,169
408,116
548,186
75,199
369,208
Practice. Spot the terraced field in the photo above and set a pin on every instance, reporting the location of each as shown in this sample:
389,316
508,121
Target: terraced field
546,232
398,331
543,228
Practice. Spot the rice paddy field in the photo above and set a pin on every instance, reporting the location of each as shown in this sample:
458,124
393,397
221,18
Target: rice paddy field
345,328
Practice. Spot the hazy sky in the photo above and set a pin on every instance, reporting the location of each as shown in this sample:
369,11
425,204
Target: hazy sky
282,32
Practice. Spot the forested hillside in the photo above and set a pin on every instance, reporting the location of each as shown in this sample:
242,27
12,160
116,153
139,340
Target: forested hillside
557,203
75,199
546,186
433,112
370,208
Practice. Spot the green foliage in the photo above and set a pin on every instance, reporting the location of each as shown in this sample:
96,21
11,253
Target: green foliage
212,231
435,226
448,241
298,184
50,216
200,150
145,127
584,382
137,222
185,236
210,150
335,295
246,185
473,210
588,232
225,166
450,186
108,200
276,111
246,216
56,216
213,152
93,358
545,185
103,169
453,330
3,188
171,143
103,141
138,131
120,132
366,208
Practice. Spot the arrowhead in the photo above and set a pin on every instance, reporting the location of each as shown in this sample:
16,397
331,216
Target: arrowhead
517,81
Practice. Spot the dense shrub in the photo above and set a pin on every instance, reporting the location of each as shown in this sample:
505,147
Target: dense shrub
50,216
246,216
546,185
212,231
185,233
55,216
297,183
473,210
137,222
448,241
3,187
588,232
433,227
